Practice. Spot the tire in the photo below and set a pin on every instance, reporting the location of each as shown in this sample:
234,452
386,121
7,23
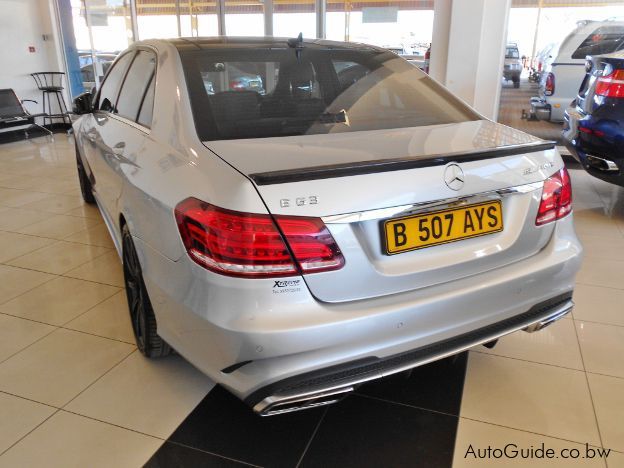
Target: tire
516,83
139,305
85,184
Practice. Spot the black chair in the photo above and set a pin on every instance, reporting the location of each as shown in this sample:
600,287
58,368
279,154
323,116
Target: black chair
51,84
13,114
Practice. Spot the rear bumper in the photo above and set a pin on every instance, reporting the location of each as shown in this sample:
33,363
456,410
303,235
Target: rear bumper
600,158
329,385
247,337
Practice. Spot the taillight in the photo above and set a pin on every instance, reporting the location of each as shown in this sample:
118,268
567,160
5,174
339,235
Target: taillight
549,87
611,85
556,198
251,245
591,131
311,243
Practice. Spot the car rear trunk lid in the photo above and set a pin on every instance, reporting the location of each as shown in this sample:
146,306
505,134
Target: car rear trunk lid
357,181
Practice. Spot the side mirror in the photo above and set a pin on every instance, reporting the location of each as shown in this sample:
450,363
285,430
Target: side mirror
83,104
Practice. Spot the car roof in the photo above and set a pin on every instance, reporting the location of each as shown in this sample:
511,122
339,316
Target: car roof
222,42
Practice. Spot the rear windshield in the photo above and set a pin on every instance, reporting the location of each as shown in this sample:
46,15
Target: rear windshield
603,40
257,93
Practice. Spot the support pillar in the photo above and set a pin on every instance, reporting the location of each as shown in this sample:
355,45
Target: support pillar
468,50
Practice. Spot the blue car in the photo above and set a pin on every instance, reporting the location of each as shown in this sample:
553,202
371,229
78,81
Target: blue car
594,123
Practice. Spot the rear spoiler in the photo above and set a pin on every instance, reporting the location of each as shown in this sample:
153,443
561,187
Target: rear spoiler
389,165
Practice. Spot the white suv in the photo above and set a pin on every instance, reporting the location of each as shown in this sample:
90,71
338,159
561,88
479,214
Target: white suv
564,68
513,65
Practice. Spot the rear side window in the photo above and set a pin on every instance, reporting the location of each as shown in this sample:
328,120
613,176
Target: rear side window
257,93
110,88
136,84
604,40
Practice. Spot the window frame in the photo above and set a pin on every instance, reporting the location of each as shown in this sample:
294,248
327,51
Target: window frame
123,79
149,85
134,123
149,82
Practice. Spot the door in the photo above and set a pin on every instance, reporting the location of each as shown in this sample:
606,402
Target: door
121,129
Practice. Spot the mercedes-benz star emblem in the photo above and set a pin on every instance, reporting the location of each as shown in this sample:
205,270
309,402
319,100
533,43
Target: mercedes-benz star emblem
454,177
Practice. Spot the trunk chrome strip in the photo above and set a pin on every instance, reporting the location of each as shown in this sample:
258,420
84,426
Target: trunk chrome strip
404,210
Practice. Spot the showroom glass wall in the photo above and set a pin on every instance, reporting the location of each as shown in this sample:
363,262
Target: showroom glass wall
102,28
404,26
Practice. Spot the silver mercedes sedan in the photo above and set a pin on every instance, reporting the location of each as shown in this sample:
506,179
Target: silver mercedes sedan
298,217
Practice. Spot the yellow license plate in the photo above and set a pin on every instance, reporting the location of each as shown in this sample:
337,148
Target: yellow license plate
443,226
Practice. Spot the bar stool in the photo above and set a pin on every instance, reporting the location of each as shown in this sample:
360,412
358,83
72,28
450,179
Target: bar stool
51,84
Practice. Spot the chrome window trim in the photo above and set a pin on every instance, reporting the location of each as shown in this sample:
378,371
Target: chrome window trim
402,210
132,123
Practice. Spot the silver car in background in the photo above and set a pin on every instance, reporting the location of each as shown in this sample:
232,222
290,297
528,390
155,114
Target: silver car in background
351,221
512,68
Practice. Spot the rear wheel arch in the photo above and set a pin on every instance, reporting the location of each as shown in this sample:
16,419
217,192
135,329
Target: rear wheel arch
86,186
142,315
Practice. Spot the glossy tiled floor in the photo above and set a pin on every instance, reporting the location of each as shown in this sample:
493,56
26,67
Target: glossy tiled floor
75,392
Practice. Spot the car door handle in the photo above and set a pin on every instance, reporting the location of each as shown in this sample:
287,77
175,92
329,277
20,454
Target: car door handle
119,148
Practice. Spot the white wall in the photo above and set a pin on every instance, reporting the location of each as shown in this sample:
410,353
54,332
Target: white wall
22,24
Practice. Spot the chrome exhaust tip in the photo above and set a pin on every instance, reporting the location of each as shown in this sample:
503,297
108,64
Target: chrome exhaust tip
559,314
602,164
281,405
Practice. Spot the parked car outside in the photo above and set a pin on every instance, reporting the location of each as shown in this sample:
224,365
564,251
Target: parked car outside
542,56
564,71
399,50
89,68
354,221
88,76
85,57
594,123
513,65
247,83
